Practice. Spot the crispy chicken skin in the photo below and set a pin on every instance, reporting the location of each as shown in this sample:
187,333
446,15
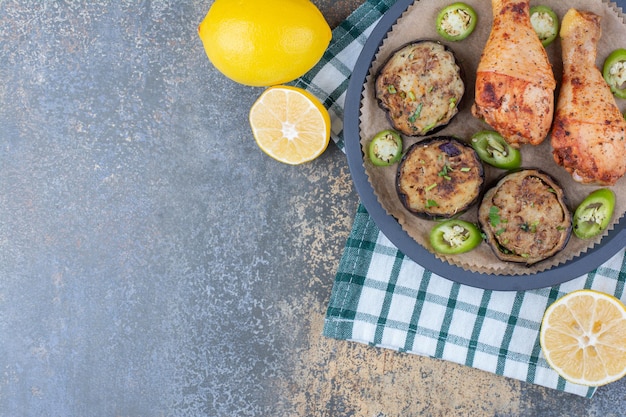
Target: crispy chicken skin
588,133
514,82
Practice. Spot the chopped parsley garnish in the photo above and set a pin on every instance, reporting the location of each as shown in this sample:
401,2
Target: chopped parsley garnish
416,114
429,127
445,171
532,228
494,216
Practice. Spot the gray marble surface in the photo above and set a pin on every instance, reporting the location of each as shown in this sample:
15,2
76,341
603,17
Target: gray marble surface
154,262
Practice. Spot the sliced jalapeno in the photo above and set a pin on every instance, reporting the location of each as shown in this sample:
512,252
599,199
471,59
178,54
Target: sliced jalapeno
545,22
455,236
614,72
385,148
494,150
456,21
594,214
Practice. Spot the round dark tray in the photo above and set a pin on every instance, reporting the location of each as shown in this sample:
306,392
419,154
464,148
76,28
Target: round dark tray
609,246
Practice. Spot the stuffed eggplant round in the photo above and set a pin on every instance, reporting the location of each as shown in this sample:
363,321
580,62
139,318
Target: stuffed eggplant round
420,87
525,217
439,178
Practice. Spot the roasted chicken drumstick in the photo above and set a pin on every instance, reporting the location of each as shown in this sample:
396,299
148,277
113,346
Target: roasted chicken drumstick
514,81
588,134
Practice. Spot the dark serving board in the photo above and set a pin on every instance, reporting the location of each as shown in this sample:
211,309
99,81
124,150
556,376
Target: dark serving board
609,246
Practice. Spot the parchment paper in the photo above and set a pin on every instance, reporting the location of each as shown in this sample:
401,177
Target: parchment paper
418,22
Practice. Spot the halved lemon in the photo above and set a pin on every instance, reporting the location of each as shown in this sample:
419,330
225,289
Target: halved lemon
583,337
290,124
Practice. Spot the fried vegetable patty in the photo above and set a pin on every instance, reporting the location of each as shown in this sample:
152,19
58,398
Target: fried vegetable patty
439,177
420,87
525,217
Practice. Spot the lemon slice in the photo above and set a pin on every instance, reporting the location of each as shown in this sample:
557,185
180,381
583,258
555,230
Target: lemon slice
290,124
583,337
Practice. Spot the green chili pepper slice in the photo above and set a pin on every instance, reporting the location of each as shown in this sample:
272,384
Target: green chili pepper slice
456,21
545,22
593,215
494,150
614,72
385,148
455,236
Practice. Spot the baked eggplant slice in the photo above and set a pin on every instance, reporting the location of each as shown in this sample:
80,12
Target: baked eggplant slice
420,87
439,177
525,217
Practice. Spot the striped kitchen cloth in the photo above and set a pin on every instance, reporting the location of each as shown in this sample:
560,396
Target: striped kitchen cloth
382,298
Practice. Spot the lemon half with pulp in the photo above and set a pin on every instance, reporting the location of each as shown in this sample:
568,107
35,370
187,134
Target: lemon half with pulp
290,124
583,337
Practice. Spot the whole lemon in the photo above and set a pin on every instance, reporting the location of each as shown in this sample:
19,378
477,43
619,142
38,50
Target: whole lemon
264,42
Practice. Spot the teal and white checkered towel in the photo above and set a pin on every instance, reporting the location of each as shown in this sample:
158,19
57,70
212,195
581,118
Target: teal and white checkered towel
382,298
